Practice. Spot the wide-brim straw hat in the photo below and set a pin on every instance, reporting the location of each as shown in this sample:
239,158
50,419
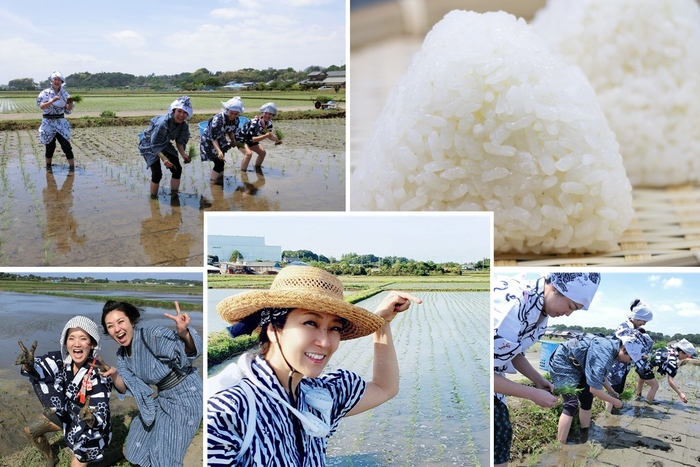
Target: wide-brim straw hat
303,287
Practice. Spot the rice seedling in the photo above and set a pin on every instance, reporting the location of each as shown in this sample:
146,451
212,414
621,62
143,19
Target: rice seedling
567,391
279,134
594,450
75,98
627,395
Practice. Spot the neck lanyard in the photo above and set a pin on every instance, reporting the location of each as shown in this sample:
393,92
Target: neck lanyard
86,384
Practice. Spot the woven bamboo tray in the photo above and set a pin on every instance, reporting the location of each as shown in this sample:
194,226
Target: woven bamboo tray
665,231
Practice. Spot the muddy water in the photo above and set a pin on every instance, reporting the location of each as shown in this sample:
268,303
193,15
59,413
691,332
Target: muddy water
30,317
666,434
101,214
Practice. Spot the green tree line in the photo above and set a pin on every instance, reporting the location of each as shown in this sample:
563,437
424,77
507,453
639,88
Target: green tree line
279,79
657,337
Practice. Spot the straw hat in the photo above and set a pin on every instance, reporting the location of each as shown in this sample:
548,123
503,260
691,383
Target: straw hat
303,287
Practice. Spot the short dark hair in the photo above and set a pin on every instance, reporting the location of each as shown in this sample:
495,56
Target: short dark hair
131,312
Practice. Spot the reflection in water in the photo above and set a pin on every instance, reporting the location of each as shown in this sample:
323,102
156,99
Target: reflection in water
61,226
160,234
248,197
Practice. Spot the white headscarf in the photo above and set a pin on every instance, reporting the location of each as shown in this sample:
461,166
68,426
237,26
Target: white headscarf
686,346
57,74
234,104
636,343
87,325
577,286
183,103
269,107
639,309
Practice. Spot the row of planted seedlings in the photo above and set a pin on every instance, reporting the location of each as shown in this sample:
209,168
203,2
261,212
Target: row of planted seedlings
6,195
436,414
25,105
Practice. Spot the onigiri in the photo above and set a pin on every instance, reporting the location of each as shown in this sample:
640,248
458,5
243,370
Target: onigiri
489,118
642,57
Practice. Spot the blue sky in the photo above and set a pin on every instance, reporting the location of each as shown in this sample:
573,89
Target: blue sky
168,37
437,237
674,296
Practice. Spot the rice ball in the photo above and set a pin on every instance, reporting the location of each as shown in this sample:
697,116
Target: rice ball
488,118
642,57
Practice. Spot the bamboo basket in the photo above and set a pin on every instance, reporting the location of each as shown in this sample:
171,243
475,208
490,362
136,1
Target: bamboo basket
665,230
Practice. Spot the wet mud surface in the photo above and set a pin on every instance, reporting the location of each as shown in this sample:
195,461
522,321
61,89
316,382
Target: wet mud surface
662,435
102,215
41,318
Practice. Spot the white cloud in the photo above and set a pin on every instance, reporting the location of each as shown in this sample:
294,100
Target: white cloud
129,39
688,309
233,13
665,308
653,280
672,283
23,23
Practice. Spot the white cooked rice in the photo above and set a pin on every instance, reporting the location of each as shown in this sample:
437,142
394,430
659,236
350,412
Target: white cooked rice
488,118
643,59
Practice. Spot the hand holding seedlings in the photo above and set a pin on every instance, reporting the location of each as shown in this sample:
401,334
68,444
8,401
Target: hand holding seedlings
101,366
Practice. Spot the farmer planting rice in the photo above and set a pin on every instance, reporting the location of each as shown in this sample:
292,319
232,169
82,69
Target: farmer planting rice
74,393
214,144
504,125
155,144
521,310
275,408
254,132
666,362
55,103
580,366
639,314
160,357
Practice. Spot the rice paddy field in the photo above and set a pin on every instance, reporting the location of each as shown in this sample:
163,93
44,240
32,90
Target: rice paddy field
441,414
102,215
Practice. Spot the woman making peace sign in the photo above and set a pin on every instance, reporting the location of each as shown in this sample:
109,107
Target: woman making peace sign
161,357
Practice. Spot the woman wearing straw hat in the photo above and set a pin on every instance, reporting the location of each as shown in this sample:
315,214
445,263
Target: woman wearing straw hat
74,394
214,144
256,130
521,310
640,314
275,408
155,145
666,362
160,357
55,103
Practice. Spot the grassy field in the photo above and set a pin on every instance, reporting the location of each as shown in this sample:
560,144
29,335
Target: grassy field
132,101
478,281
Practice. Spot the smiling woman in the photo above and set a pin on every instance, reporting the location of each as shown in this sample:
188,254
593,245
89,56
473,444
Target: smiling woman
275,407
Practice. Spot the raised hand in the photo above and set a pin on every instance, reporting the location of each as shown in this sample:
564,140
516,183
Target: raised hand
394,303
182,320
26,358
101,366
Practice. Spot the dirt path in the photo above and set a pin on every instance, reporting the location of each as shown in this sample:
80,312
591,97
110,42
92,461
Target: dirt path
663,435
136,113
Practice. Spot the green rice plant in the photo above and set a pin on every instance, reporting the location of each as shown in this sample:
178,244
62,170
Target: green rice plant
279,134
594,450
534,458
567,391
192,152
108,114
75,98
627,395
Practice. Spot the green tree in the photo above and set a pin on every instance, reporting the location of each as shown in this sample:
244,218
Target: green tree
22,84
235,254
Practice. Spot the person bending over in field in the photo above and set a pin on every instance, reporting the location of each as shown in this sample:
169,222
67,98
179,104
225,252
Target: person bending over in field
214,144
521,310
579,369
55,103
254,132
666,362
276,408
155,144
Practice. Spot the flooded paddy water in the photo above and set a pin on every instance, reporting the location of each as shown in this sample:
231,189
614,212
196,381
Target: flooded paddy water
30,317
101,214
441,414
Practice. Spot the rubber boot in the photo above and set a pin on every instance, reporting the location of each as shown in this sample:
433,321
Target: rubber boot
35,431
583,438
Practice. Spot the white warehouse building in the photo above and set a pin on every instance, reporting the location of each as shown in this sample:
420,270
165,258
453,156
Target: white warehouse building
252,248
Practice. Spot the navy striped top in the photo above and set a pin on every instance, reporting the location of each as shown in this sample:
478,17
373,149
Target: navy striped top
279,438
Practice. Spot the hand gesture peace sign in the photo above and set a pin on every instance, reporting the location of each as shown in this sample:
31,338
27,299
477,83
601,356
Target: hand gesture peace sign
182,320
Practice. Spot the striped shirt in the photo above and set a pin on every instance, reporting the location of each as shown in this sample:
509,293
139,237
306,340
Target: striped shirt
519,321
664,360
279,439
594,357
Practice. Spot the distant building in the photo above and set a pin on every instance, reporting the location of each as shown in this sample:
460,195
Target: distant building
251,248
